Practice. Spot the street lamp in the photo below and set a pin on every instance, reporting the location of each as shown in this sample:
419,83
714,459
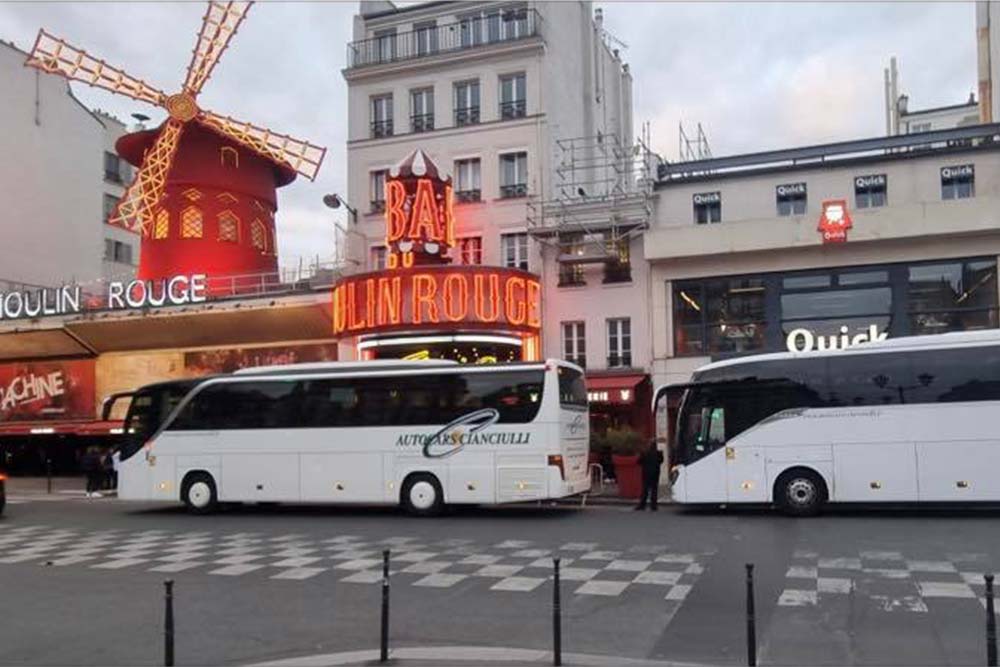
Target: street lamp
336,201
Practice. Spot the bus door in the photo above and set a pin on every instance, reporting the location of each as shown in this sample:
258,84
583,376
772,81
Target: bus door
701,441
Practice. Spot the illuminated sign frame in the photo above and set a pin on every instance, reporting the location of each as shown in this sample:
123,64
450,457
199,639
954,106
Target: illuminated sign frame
834,221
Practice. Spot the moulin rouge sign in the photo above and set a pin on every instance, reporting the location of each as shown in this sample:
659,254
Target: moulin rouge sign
420,289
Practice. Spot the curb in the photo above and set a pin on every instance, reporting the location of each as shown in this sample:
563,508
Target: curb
465,655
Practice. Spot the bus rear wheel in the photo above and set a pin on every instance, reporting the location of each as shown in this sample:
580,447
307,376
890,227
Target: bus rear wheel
422,495
800,492
199,494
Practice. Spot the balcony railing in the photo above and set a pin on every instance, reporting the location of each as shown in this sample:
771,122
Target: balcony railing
468,196
513,191
513,109
376,206
617,273
466,116
422,122
620,360
580,361
381,128
469,33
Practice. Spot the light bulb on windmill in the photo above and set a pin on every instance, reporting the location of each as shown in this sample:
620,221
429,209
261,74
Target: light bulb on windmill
204,196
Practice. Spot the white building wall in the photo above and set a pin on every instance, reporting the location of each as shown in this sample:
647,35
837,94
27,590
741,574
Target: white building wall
112,268
51,148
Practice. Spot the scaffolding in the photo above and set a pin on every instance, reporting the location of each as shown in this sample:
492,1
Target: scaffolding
601,197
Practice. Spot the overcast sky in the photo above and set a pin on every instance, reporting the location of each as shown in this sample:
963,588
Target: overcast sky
757,76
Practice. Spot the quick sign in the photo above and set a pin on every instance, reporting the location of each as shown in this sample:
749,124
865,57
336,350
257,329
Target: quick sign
804,340
707,198
174,291
868,182
959,171
791,189
834,221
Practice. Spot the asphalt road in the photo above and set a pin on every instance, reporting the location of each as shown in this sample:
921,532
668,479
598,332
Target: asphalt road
81,583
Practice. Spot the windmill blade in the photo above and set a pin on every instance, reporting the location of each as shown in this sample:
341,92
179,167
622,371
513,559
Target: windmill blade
136,207
54,55
303,157
217,27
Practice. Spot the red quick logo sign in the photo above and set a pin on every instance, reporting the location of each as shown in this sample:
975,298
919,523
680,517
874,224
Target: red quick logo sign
834,221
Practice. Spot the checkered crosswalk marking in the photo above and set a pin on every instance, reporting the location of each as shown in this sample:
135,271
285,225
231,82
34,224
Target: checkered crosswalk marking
889,579
510,566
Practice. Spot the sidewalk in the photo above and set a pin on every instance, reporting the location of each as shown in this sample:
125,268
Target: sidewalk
39,486
480,656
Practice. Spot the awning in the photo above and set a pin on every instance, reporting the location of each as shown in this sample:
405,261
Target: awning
91,428
615,389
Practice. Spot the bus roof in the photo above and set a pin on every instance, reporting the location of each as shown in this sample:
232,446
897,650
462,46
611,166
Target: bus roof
346,366
927,342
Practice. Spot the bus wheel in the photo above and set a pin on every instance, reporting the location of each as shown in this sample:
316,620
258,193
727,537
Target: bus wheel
199,493
800,492
422,495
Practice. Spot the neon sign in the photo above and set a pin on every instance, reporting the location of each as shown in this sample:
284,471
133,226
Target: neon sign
419,213
427,297
834,221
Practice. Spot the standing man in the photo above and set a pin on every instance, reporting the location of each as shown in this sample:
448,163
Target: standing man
650,461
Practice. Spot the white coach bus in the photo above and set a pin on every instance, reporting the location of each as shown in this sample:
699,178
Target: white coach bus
906,420
418,434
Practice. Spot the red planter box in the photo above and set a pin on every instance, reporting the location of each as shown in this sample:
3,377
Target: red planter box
628,474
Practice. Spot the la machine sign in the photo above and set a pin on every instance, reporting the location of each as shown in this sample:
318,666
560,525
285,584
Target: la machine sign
120,295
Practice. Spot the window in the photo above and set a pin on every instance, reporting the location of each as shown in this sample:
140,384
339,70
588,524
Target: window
110,201
952,296
470,250
515,250
467,102
575,343
619,342
515,23
117,251
572,388
378,255
570,272
422,110
791,199
467,183
707,207
425,36
619,270
920,127
191,223
229,227
258,236
471,29
870,191
381,116
112,168
385,45
512,96
513,175
958,182
719,316
229,156
161,228
377,189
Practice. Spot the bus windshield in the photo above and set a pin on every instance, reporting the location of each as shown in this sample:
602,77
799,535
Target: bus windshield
150,406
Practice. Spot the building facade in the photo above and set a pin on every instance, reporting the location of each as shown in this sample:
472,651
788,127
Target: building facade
121,247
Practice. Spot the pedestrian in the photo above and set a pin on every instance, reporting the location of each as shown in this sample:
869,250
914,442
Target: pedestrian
92,467
116,459
650,461
107,470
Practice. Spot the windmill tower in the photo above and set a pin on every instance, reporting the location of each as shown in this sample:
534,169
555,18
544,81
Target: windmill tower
204,196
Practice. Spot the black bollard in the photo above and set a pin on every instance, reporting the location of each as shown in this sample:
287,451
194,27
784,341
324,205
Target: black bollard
556,616
168,624
48,474
751,628
991,624
384,655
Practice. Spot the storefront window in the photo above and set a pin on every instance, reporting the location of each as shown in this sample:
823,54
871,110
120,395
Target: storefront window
953,296
719,316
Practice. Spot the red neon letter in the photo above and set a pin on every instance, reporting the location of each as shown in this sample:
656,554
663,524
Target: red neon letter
424,289
514,305
456,297
353,321
395,216
481,297
389,300
449,216
370,302
339,310
424,214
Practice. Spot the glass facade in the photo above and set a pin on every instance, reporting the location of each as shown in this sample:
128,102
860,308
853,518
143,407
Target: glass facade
733,315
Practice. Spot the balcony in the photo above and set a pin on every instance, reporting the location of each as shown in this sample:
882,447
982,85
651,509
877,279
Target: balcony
381,128
513,109
571,276
422,122
466,116
620,360
513,191
471,33
468,196
617,272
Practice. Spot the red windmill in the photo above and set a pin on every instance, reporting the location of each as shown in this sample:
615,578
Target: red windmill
204,195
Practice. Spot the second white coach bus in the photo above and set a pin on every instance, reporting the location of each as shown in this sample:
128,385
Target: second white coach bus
418,434
907,420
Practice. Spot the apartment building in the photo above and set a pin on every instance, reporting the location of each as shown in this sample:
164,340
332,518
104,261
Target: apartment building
121,247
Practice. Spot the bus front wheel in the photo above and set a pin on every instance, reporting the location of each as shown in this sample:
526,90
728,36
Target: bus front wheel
422,495
800,492
199,494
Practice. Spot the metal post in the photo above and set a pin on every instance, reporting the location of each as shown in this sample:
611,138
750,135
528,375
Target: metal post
991,624
168,624
556,616
48,474
751,628
384,656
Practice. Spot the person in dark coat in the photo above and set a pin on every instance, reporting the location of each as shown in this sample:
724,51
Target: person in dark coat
650,461
92,467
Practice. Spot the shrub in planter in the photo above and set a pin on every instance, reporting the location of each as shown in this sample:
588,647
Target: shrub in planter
625,444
